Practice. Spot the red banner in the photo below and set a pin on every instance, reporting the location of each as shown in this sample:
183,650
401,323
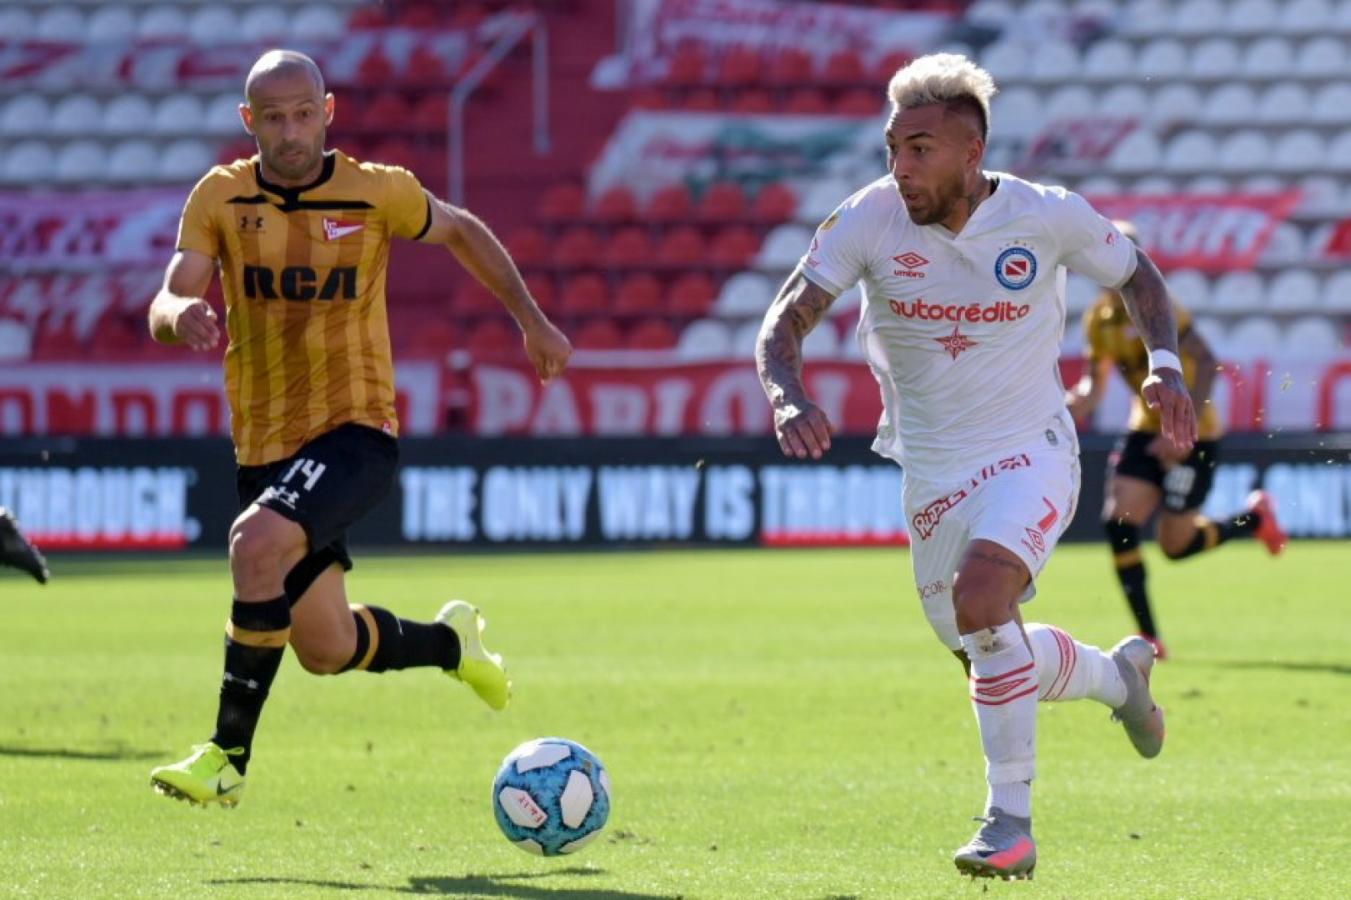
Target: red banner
1201,231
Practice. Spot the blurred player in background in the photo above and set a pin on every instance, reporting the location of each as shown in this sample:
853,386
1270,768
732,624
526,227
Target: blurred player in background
17,551
1145,469
961,326
301,238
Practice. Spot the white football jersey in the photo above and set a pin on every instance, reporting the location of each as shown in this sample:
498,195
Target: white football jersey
963,331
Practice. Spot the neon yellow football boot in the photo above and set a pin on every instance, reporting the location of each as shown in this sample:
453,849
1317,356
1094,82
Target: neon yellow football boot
481,670
205,777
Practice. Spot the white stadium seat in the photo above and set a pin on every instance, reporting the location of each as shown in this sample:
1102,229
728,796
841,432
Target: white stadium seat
1230,104
111,25
1307,17
185,161
744,294
1176,103
1244,151
25,115
1298,151
80,162
1295,290
1284,102
995,13
821,199
1320,195
263,23
1214,332
1054,61
1250,17
132,161
744,338
1190,151
1332,104
1074,101
1099,186
1263,183
1337,293
61,25
318,23
1323,56
704,339
1209,183
27,162
783,247
1254,335
1137,152
1019,112
160,22
1311,336
1198,17
1006,60
1268,57
222,115
1190,288
1237,292
16,23
1109,60
1341,17
1161,59
75,114
212,25
1144,18
179,114
1154,186
1285,248
1216,57
1127,100
1339,153
127,114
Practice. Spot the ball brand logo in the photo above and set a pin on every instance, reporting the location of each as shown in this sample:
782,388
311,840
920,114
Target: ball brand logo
530,808
909,262
999,311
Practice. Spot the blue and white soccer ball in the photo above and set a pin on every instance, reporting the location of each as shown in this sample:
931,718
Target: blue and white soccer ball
551,796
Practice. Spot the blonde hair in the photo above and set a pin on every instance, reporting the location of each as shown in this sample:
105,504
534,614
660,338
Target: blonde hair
947,78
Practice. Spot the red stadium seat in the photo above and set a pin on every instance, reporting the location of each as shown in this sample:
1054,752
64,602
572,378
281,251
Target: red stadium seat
599,334
739,67
844,68
722,202
426,68
670,204
650,98
585,295
860,102
887,66
434,337
790,67
682,247
733,248
691,295
652,334
493,337
774,204
528,247
473,299
616,205
630,248
387,113
368,18
562,202
541,287
430,115
701,101
753,102
639,294
376,68
688,67
396,152
807,102
577,248
421,17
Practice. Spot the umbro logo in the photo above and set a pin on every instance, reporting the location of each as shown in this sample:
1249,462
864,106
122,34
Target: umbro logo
335,229
910,261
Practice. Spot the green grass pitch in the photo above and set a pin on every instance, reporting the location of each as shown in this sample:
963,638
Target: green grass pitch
776,723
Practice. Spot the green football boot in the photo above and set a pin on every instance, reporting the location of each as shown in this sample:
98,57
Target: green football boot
481,670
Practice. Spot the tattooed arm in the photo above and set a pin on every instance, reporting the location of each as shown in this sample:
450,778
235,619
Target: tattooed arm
801,427
1151,310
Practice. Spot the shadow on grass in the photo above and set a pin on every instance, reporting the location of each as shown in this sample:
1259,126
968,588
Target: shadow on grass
1284,665
505,885
112,753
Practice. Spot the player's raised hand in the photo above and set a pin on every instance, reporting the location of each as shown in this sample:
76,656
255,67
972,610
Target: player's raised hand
803,430
195,325
1165,391
548,349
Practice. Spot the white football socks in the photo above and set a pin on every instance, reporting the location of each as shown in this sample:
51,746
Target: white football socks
1004,688
1069,670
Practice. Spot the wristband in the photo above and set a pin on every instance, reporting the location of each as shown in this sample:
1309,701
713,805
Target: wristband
1164,359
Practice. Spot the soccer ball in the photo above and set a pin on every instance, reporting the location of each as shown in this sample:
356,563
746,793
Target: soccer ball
551,796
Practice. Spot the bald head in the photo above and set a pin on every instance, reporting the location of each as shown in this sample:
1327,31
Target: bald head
276,66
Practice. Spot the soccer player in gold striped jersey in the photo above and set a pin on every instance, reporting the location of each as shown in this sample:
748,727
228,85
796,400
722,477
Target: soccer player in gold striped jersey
300,237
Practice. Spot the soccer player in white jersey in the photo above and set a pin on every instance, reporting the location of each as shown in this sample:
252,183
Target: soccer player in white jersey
963,275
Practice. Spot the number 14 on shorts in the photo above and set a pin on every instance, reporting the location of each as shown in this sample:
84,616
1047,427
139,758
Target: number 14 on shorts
306,467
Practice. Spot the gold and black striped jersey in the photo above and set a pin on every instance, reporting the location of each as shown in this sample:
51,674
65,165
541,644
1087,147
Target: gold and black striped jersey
303,273
1109,333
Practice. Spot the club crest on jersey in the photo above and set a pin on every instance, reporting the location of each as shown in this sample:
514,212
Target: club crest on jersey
335,229
1015,268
